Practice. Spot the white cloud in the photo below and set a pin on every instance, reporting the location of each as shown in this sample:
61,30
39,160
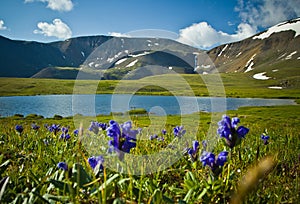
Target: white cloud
58,5
266,13
57,29
2,27
204,36
116,34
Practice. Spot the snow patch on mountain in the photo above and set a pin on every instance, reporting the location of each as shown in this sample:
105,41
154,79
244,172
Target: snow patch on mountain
275,87
132,63
249,64
224,48
121,60
290,55
261,76
285,26
138,55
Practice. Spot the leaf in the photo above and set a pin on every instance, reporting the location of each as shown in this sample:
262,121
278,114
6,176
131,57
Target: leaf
50,198
202,194
188,195
105,184
80,176
3,184
61,185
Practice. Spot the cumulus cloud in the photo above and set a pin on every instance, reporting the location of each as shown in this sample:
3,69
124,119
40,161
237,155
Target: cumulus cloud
2,27
255,16
266,13
56,29
116,34
204,36
58,5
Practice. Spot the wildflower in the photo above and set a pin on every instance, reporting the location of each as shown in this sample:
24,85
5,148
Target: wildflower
64,136
35,127
265,139
193,151
229,130
103,126
215,164
63,166
161,139
19,128
94,127
54,128
179,131
76,132
122,141
152,137
94,161
164,132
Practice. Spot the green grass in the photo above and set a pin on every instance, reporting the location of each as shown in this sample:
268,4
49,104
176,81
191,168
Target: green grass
30,166
231,84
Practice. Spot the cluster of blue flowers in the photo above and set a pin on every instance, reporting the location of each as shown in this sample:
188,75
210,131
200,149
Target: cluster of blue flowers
95,127
179,131
65,133
123,138
228,129
215,163
265,138
19,128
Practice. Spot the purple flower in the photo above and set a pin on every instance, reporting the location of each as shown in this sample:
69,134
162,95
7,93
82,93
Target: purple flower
164,132
35,127
152,137
208,158
19,128
193,151
265,138
94,127
54,128
229,130
76,132
122,141
103,126
94,161
63,166
222,158
215,164
179,131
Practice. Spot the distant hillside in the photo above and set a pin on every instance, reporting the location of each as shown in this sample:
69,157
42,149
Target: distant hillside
91,54
272,54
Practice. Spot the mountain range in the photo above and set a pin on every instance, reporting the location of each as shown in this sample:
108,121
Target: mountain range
273,53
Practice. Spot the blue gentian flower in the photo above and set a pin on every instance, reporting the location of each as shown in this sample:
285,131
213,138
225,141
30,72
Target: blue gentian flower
179,131
54,128
76,132
94,127
222,158
265,138
215,164
152,137
19,128
94,161
193,151
35,127
228,129
123,138
63,166
164,132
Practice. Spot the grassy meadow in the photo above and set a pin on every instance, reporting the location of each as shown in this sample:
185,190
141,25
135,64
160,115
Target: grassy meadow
233,84
29,159
41,165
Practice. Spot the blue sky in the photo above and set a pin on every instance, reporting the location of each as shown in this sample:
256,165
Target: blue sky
201,23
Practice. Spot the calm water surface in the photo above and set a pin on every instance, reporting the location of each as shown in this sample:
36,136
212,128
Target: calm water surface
68,105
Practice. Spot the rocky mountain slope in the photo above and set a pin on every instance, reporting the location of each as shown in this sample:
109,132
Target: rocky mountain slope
91,54
272,54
